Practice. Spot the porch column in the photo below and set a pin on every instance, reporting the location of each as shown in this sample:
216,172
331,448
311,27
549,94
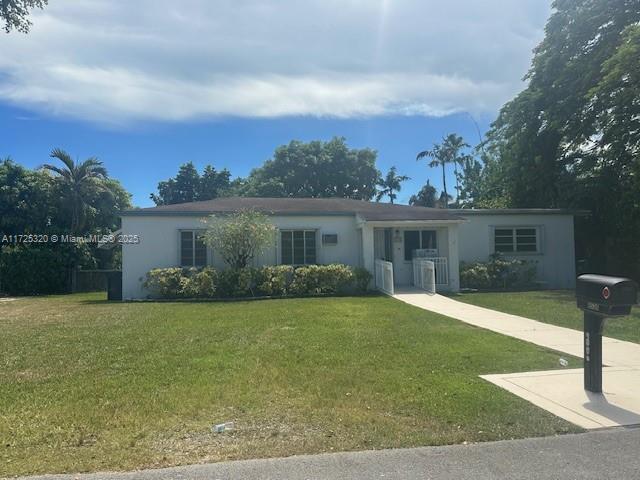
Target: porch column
368,260
454,259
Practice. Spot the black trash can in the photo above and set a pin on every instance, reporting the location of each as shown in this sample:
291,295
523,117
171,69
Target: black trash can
114,286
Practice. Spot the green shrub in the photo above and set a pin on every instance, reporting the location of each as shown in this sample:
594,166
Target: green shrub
274,281
474,275
166,282
200,283
361,279
321,279
236,282
28,270
498,274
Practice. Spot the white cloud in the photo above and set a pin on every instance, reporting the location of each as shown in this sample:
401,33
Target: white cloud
118,61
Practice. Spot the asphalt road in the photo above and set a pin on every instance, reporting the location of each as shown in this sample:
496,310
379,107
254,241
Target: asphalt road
610,454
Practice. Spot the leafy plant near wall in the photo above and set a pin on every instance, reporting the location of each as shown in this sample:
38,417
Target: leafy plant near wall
498,274
239,237
268,281
26,270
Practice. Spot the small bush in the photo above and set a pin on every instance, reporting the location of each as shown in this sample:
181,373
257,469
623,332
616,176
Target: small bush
236,282
498,274
474,275
274,281
166,282
200,283
361,279
321,279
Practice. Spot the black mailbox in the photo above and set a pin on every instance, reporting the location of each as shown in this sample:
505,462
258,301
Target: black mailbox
608,296
601,296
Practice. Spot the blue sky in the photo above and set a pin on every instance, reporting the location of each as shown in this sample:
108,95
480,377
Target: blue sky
148,85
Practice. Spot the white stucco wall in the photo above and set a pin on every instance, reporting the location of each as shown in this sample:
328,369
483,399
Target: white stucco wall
159,244
556,259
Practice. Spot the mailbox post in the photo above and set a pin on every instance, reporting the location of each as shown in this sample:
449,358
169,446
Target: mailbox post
600,296
593,325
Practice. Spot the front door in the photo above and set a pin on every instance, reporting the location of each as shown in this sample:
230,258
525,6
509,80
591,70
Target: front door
406,243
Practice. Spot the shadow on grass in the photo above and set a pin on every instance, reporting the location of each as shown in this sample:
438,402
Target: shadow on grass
220,300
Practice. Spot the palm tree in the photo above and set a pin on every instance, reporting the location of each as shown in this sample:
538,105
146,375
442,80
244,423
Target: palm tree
390,184
426,197
79,179
454,144
446,152
443,201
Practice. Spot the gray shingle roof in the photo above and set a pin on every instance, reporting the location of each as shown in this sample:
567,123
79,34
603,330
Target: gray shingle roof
370,211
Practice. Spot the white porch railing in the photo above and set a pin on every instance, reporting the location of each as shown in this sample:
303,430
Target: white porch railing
384,276
442,270
424,275
440,267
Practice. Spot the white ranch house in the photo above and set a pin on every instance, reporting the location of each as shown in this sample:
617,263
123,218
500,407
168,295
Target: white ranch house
376,236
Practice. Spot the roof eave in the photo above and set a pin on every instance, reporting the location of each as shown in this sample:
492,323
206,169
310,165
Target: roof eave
411,222
178,213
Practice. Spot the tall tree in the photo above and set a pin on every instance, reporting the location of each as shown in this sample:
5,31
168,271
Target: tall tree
26,199
15,13
79,181
391,183
426,197
213,183
569,139
444,200
316,169
189,186
449,151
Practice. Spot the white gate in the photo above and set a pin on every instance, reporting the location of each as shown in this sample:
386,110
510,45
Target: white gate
384,276
424,274
442,270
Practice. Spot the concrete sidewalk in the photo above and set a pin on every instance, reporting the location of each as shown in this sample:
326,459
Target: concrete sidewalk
557,391
591,456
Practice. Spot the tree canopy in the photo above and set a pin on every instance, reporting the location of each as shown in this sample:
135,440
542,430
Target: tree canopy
315,169
15,13
43,202
449,151
571,137
189,186
426,197
391,183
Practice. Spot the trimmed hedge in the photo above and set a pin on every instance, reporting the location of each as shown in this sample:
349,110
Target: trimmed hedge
32,271
498,274
268,281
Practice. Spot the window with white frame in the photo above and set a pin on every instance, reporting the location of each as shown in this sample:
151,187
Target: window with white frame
193,250
298,247
516,240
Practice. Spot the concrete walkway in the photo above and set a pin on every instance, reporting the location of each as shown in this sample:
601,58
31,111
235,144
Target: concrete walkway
558,391
592,456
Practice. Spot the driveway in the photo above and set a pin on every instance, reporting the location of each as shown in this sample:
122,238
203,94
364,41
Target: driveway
594,455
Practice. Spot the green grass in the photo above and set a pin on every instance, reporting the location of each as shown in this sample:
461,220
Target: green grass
90,385
557,307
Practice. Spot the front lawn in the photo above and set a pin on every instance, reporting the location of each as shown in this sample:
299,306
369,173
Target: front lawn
90,385
557,307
